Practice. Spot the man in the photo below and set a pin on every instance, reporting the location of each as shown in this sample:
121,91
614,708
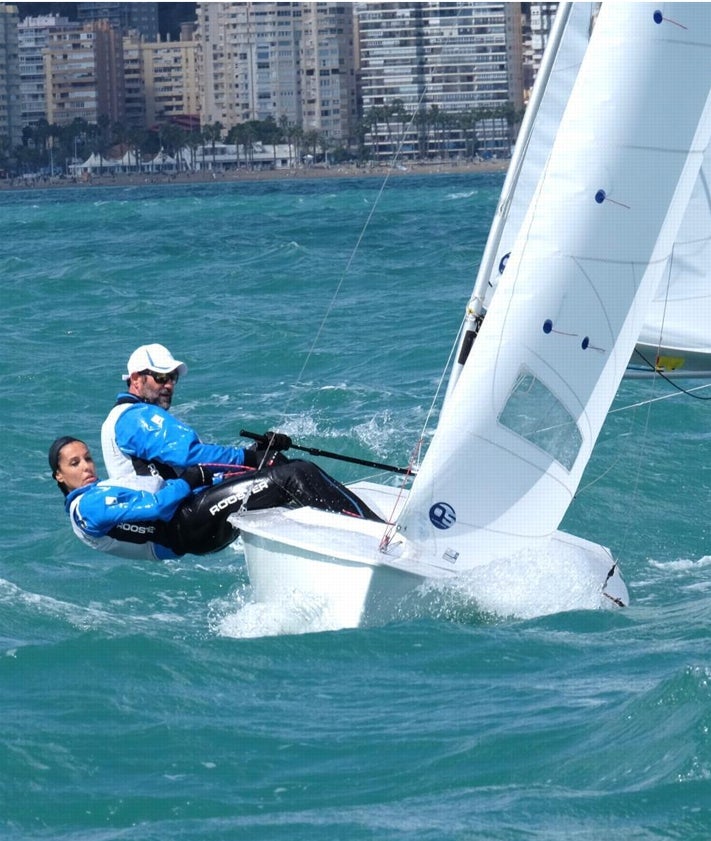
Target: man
187,514
143,445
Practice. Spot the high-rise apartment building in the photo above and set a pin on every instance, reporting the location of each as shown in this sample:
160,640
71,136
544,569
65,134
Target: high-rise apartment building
84,74
10,107
291,61
143,17
540,19
33,34
432,61
247,62
134,81
327,68
168,78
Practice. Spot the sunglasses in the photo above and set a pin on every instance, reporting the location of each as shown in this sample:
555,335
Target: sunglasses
162,379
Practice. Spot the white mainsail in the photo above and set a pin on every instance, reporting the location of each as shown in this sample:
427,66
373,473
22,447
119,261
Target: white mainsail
564,53
520,425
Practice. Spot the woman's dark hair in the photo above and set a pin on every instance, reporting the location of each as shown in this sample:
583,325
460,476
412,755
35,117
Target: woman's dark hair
54,450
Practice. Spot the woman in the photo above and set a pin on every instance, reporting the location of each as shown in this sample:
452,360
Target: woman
174,520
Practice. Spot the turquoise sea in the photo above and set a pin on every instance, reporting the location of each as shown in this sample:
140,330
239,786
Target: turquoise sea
147,702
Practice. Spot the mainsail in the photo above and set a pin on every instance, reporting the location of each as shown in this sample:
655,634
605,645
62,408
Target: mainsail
594,247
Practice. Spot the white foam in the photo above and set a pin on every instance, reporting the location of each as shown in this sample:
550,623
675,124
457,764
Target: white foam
682,564
532,583
239,617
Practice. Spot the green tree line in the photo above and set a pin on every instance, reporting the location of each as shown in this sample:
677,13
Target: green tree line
382,133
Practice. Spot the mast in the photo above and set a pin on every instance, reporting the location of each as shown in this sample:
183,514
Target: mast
476,307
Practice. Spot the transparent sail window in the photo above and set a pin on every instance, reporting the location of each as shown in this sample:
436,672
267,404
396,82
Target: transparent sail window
535,413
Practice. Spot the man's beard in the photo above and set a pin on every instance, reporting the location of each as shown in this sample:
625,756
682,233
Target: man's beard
164,400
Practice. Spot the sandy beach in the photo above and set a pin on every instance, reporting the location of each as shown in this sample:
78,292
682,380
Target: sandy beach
344,171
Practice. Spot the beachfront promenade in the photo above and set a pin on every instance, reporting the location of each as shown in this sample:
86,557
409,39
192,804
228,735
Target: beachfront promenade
229,176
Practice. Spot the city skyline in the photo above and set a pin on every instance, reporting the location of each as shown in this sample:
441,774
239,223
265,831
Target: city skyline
361,75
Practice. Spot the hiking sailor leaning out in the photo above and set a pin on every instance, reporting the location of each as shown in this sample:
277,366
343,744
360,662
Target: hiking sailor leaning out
186,515
144,445
122,521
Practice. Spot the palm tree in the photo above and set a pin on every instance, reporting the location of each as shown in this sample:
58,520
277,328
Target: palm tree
41,135
422,122
212,133
324,145
72,136
193,141
234,137
250,133
485,116
4,154
513,117
287,133
437,121
311,140
374,117
173,138
298,137
271,135
399,114
104,137
361,129
136,141
467,122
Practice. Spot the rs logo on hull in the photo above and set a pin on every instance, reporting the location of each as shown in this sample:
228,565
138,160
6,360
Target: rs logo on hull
442,515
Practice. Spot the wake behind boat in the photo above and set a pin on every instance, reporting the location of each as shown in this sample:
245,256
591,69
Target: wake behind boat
524,410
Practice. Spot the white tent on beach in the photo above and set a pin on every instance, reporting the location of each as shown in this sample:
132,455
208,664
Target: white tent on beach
162,162
95,163
130,162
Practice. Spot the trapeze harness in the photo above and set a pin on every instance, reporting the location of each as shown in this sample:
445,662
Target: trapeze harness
201,524
142,540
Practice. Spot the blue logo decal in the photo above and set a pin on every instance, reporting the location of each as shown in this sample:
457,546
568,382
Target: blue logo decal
442,515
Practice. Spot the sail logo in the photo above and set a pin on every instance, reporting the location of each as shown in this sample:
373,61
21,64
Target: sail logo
442,515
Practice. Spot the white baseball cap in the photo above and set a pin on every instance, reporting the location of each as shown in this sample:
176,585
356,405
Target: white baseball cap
154,358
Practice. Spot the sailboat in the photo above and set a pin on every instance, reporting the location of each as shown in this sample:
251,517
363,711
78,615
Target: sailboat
526,405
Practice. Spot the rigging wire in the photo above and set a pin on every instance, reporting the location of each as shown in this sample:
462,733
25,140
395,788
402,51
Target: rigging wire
414,458
417,449
342,279
688,392
356,247
657,372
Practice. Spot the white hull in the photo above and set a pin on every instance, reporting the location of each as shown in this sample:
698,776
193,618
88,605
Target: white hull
334,562
331,560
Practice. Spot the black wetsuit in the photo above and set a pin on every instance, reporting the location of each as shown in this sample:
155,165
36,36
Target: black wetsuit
201,526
